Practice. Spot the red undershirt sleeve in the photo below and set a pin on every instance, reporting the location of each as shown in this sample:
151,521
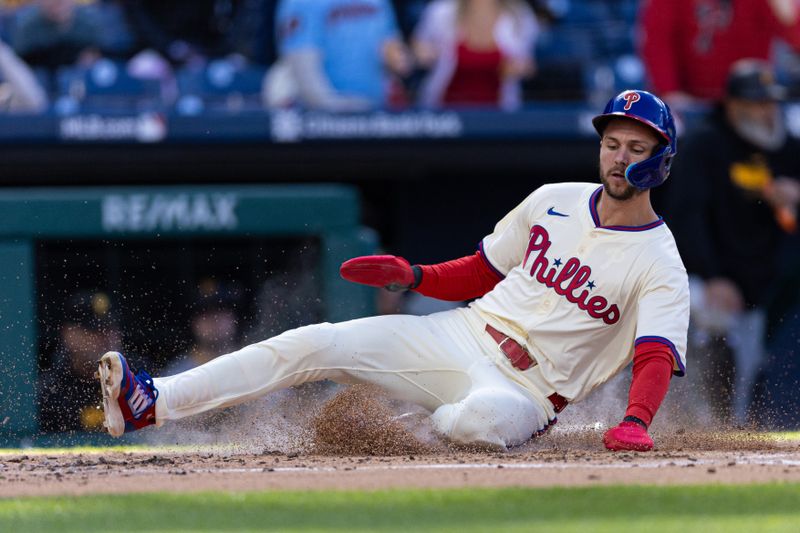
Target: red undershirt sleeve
460,279
652,370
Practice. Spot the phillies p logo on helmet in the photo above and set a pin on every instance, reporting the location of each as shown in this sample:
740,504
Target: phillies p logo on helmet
630,99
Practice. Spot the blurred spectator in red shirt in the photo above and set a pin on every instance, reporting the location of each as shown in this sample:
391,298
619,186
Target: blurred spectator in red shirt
58,32
689,45
477,51
20,91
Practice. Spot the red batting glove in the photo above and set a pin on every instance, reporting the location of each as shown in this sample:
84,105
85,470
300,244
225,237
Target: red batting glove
387,271
628,436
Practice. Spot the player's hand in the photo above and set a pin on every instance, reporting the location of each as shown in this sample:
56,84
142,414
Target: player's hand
518,68
783,192
397,57
628,436
387,271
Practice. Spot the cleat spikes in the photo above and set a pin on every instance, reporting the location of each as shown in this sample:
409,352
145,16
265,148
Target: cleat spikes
128,399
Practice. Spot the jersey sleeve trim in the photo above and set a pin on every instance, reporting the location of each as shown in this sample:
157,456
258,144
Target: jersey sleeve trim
489,263
678,368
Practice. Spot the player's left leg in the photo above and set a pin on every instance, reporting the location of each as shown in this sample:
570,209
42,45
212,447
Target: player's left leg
493,418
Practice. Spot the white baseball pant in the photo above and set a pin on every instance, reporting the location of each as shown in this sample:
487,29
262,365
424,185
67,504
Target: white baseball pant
442,362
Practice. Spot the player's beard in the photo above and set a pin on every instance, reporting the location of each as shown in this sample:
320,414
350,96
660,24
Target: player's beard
621,193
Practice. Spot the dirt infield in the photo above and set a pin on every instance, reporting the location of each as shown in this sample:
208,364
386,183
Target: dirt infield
87,473
357,441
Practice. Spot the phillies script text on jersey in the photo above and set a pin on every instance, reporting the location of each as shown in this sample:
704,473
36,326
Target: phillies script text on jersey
569,279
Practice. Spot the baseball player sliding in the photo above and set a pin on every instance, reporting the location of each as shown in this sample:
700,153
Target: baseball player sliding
572,284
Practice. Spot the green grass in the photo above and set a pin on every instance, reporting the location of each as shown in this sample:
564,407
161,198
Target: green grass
785,435
710,508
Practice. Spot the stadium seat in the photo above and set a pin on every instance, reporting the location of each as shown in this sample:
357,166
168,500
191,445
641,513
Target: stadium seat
106,86
556,81
600,82
45,79
587,52
220,85
118,39
6,22
607,77
787,69
586,12
9,18
409,13
559,43
629,72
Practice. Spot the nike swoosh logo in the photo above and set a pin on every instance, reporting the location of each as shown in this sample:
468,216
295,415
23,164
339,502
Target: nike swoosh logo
552,211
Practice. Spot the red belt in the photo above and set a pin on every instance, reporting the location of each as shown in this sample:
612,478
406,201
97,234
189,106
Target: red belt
522,360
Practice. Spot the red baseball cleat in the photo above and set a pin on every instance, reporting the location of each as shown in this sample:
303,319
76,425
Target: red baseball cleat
129,401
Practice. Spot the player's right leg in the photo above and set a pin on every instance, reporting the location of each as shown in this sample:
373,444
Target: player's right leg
129,401
408,356
438,362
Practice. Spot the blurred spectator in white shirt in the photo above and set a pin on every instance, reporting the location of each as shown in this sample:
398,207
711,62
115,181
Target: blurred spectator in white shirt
20,91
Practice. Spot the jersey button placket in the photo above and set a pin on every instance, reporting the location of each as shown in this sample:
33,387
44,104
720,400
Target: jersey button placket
587,242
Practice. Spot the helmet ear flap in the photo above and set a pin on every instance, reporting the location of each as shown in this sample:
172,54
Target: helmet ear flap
651,172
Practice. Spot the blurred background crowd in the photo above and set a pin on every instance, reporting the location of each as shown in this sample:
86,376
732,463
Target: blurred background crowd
188,56
732,200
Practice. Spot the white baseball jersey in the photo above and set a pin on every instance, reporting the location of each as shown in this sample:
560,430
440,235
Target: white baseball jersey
580,295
